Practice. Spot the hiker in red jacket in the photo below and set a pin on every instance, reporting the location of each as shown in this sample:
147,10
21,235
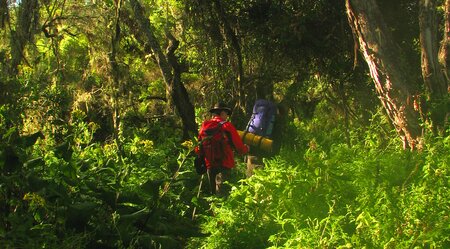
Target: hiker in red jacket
218,137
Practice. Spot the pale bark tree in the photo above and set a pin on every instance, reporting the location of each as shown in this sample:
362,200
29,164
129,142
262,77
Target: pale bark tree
444,57
393,83
433,72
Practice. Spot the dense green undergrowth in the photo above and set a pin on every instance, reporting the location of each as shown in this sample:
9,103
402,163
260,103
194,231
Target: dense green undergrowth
325,190
79,193
368,195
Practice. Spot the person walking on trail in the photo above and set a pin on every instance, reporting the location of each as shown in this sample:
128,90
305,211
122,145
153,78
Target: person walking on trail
217,139
268,120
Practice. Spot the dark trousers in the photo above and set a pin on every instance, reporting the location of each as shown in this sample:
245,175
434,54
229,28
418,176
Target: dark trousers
217,176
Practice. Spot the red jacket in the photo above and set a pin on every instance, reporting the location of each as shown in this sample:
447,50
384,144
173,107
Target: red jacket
230,130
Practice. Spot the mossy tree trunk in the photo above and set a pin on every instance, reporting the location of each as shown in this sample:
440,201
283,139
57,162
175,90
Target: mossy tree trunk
169,67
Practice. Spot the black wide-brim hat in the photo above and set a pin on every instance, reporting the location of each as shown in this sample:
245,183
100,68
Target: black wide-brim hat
220,107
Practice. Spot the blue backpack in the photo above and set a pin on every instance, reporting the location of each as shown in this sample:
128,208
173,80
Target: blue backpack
263,118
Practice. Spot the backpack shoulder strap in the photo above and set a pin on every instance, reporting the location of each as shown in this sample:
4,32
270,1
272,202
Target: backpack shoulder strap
228,134
250,122
222,123
211,131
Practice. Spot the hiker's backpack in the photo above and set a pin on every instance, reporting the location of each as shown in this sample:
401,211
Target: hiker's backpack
212,142
263,118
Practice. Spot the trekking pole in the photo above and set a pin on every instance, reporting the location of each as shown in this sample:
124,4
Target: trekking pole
198,195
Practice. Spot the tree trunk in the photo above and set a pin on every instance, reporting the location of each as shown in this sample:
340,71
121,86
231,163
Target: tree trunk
179,94
4,13
389,72
173,82
146,28
115,85
444,57
432,72
26,27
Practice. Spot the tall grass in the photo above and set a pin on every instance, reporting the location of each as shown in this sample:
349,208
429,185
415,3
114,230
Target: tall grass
370,194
